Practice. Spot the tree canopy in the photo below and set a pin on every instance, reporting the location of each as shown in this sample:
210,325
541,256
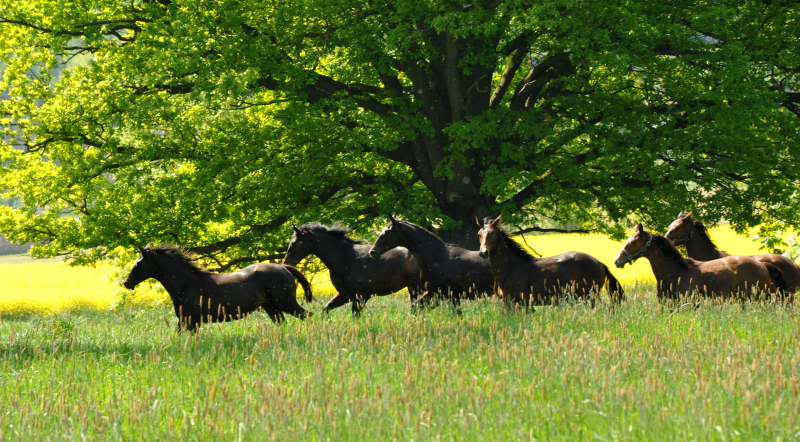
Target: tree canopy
216,124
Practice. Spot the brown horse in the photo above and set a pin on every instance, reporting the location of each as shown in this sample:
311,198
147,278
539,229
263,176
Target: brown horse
356,276
521,278
734,276
699,246
448,270
200,296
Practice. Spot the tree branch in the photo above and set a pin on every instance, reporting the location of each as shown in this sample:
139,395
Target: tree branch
540,229
546,71
510,71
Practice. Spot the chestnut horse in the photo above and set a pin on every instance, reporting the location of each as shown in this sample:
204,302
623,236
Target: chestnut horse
699,246
356,276
676,276
200,296
448,270
522,278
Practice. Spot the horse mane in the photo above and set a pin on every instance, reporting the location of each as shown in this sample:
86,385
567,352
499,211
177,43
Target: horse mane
337,230
703,231
435,241
183,256
670,251
515,247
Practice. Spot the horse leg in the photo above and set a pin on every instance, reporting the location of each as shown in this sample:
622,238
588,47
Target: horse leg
274,314
421,302
455,300
588,293
357,304
291,307
337,301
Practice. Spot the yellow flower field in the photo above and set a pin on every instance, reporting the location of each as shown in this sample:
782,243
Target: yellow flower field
48,287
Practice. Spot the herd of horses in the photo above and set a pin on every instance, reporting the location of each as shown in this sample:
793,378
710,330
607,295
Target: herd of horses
406,255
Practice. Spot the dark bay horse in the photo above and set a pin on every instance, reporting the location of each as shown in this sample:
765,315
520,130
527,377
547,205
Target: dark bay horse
522,278
356,275
200,296
699,246
448,270
733,276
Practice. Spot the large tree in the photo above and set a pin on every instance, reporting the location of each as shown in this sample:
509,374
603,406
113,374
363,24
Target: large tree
216,124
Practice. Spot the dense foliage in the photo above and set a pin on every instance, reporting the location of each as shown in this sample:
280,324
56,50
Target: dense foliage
217,124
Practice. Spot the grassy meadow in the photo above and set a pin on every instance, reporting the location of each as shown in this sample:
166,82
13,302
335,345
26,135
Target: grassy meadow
639,371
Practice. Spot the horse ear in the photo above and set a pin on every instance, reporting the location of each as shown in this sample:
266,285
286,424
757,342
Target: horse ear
680,215
638,228
478,220
688,215
392,218
296,229
498,221
141,249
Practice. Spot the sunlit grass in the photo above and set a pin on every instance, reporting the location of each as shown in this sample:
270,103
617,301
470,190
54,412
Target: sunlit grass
638,372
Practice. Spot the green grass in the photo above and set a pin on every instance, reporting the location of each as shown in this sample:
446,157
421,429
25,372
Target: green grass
638,372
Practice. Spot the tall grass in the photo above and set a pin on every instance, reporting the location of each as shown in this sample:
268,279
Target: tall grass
636,372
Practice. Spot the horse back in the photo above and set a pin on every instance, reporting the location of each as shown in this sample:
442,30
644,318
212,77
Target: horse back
733,274
571,268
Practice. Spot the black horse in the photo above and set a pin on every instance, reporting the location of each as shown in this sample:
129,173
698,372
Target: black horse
448,270
355,275
200,296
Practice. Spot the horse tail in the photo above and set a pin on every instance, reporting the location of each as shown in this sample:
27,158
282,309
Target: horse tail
303,281
614,287
777,278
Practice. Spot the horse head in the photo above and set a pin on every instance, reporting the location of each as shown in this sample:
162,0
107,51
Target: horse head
144,268
680,231
300,246
637,244
488,234
389,238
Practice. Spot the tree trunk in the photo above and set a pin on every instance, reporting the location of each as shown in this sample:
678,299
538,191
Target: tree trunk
463,202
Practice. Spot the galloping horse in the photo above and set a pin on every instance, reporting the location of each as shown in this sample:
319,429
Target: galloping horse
200,296
355,275
676,276
699,246
521,278
448,270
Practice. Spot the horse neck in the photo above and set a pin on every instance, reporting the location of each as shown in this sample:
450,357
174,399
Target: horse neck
172,275
335,253
667,272
699,247
427,250
502,258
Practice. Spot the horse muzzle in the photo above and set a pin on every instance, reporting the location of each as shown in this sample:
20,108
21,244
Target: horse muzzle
483,253
620,261
129,285
374,254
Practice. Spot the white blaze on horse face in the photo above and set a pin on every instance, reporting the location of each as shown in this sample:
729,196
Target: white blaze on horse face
620,260
622,257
